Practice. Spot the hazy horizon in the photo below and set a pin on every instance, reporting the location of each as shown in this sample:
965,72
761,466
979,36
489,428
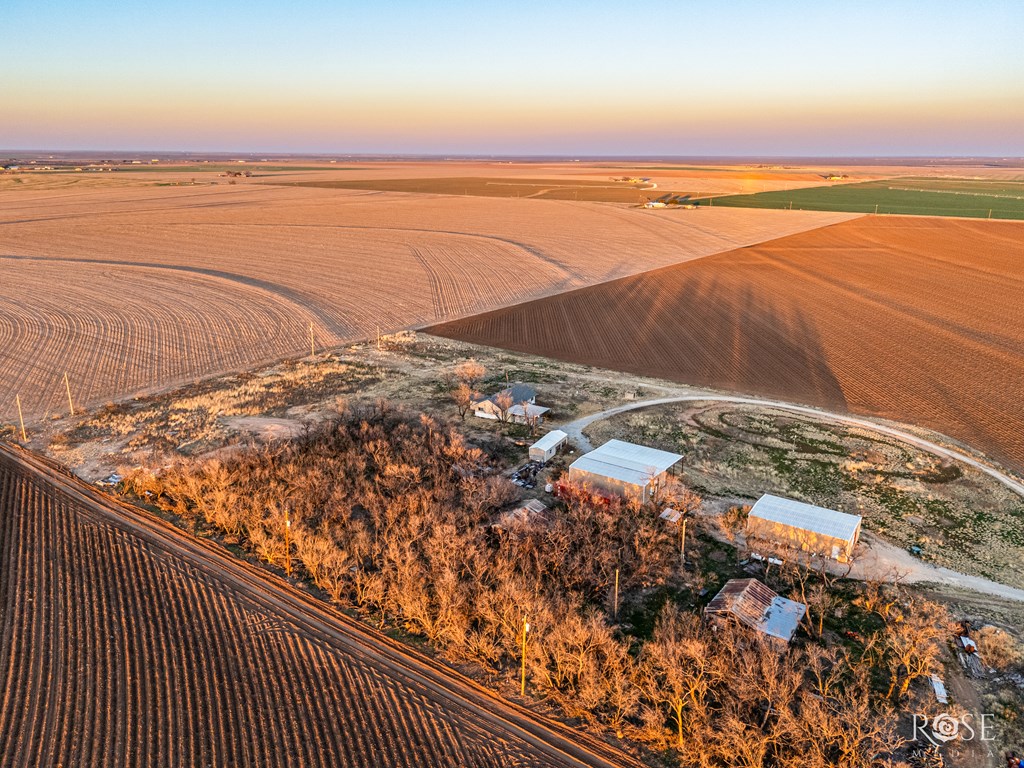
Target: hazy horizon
908,79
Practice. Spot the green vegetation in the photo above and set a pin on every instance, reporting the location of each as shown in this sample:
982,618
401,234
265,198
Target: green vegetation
972,198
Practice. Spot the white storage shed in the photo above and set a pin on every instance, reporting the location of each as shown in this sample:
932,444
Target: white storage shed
544,450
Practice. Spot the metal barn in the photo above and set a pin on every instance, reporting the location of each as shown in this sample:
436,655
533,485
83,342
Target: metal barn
624,469
817,530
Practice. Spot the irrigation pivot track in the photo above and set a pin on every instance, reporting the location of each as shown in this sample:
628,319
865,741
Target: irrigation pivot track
125,642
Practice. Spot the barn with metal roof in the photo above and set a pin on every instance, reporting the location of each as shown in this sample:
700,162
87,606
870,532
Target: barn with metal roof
753,604
625,469
817,530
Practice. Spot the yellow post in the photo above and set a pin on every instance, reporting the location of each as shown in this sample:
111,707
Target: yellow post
522,679
287,544
24,437
312,343
67,386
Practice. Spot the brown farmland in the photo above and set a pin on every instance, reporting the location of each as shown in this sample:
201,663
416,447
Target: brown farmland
125,643
130,289
916,320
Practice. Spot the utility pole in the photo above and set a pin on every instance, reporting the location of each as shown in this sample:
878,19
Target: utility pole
287,543
682,541
24,437
378,338
616,610
67,386
522,677
876,209
312,342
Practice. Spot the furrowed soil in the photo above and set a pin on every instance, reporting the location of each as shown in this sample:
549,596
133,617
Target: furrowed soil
126,643
910,319
131,289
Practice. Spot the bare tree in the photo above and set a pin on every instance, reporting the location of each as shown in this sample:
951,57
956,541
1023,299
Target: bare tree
464,397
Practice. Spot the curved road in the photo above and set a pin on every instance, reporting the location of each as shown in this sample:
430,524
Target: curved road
575,428
882,557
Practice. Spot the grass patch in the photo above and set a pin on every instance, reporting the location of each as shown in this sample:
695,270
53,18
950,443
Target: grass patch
922,197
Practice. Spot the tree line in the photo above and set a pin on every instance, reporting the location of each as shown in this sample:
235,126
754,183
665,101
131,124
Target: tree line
393,515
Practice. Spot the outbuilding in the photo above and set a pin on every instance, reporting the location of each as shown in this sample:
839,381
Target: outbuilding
754,605
625,469
544,450
812,529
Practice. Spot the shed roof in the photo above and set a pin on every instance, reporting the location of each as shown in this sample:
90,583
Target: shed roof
807,517
758,607
550,440
626,462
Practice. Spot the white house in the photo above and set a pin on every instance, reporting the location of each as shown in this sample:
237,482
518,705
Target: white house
517,403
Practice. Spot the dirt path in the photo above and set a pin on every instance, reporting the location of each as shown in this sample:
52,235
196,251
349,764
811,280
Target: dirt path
881,557
575,428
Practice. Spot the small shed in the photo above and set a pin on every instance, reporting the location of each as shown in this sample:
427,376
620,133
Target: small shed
817,530
544,450
625,469
532,512
756,606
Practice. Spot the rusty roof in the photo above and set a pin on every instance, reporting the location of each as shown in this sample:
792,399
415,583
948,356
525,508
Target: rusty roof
758,607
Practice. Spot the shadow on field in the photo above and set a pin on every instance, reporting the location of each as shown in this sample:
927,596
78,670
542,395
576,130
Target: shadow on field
686,325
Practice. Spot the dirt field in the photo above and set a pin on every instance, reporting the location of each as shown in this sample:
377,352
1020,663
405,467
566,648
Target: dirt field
908,319
125,642
129,289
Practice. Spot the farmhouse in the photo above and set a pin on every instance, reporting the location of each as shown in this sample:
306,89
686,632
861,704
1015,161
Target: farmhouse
517,403
817,530
544,450
625,469
756,606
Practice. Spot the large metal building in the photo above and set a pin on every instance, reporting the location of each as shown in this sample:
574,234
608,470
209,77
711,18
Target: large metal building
624,469
817,530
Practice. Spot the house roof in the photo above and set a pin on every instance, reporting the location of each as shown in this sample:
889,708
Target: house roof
530,411
519,392
626,462
758,607
807,517
553,438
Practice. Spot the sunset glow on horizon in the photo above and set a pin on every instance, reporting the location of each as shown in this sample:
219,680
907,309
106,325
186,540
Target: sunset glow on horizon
527,78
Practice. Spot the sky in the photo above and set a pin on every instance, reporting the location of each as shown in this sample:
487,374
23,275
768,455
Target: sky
564,78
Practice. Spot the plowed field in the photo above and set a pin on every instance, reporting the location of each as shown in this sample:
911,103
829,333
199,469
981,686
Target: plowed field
130,289
917,320
125,643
